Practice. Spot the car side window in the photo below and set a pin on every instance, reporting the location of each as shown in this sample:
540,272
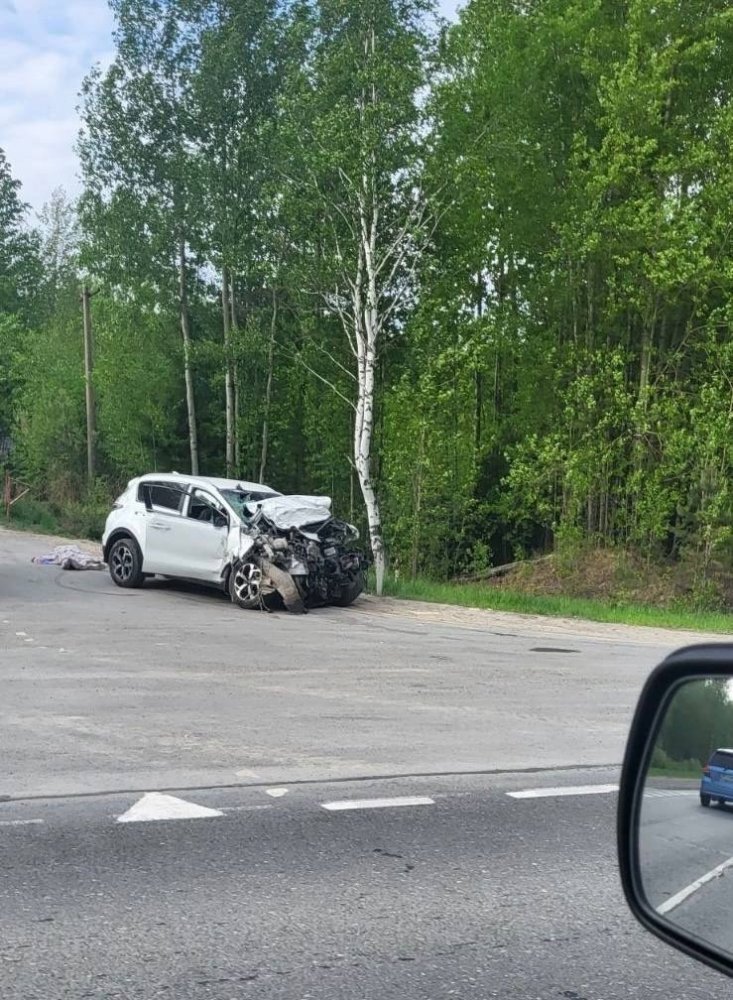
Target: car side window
202,507
164,495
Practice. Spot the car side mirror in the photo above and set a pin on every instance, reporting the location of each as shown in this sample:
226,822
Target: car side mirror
219,519
675,811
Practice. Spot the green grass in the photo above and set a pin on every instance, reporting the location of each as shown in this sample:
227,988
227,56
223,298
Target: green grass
472,595
675,772
32,516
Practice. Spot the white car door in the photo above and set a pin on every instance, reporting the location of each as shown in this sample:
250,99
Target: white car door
163,505
188,542
203,533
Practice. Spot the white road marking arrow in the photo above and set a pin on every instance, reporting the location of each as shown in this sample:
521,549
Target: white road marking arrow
156,806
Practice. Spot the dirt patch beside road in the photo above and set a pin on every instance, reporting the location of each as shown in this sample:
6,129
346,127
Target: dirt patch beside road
548,626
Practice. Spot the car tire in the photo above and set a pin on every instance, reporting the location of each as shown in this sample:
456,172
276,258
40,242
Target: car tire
350,592
248,591
125,563
245,585
704,800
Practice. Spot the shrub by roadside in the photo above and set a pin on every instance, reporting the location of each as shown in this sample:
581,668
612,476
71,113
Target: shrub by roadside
77,519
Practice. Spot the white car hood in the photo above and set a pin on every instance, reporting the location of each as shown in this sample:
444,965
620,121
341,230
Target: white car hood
287,512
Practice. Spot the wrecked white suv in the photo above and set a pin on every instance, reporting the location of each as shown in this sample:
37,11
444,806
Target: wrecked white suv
262,548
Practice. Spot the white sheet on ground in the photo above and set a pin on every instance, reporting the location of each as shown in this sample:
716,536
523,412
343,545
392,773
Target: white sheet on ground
69,557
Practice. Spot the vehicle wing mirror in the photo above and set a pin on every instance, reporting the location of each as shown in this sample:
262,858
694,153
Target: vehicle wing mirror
675,812
220,520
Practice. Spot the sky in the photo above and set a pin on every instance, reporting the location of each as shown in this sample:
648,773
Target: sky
46,49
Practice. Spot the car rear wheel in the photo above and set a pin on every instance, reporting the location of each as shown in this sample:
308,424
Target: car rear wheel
125,563
704,800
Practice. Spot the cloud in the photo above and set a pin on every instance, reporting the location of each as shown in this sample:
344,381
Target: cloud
46,49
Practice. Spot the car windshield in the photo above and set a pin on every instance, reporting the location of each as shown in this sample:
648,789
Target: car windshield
238,498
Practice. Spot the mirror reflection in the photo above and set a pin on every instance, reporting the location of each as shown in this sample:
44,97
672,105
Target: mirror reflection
686,819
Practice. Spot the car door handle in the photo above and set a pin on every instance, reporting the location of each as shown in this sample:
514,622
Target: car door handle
160,526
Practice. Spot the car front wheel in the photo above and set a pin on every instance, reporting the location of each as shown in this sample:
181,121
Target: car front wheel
245,585
125,563
704,799
350,592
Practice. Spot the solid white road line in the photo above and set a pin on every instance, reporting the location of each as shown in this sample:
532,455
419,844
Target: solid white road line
547,793
156,806
679,897
20,822
404,800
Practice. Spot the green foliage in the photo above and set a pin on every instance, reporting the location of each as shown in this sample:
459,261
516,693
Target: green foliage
554,368
698,721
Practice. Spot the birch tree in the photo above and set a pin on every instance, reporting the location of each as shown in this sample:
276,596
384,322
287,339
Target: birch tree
355,126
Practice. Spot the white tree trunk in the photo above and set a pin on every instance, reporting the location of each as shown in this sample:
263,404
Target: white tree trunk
363,430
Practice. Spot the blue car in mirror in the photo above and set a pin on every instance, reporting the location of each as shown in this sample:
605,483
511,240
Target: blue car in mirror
717,778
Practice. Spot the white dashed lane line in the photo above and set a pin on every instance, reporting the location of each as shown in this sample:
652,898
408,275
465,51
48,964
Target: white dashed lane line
157,806
548,793
404,800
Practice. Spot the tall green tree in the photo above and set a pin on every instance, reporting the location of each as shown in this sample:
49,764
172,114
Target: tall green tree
19,269
234,86
355,122
141,203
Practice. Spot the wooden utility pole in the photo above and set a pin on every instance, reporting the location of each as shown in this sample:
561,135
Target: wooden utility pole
89,386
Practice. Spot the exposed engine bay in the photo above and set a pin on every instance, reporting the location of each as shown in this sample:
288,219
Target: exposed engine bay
293,551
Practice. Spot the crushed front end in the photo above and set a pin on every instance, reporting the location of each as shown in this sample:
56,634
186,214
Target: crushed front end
293,550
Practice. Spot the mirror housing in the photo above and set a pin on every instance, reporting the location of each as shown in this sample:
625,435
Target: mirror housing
704,662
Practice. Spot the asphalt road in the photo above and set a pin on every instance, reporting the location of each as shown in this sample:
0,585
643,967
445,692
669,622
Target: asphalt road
172,686
475,895
111,695
681,843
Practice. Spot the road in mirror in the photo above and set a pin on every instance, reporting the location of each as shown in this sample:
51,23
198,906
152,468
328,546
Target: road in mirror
686,818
